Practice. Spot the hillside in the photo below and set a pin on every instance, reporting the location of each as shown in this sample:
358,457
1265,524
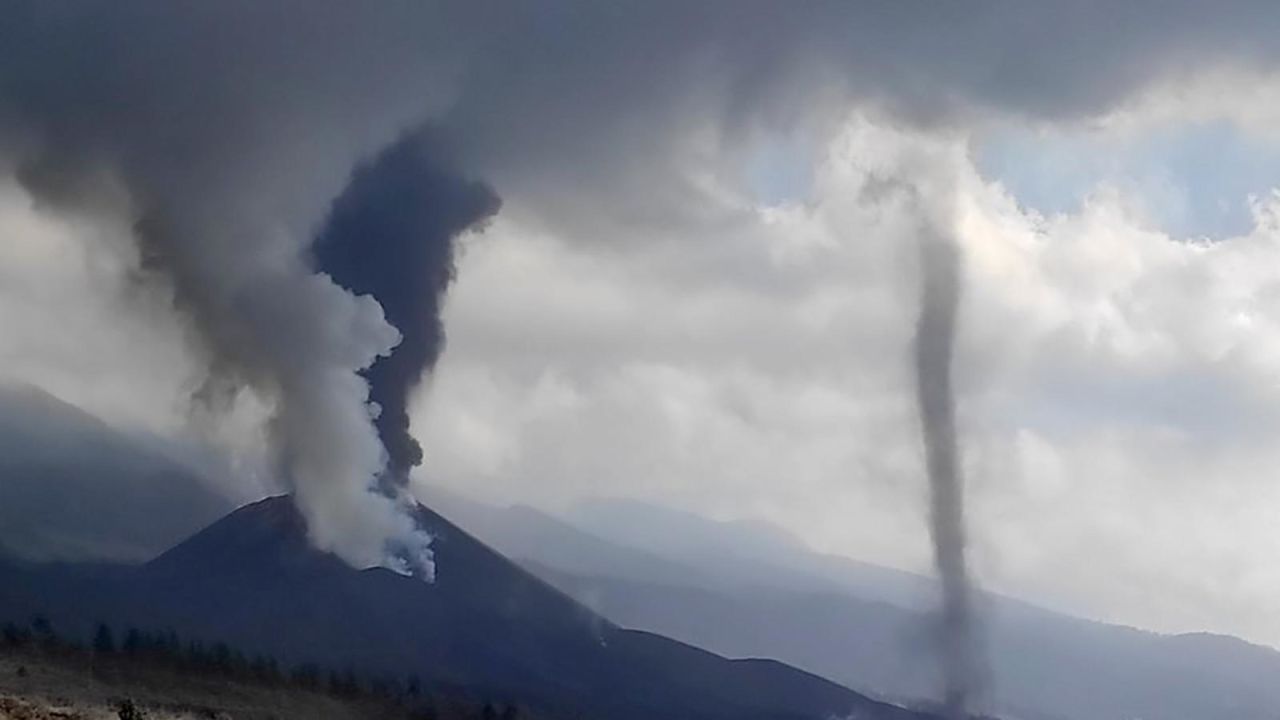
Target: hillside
698,581
74,488
485,625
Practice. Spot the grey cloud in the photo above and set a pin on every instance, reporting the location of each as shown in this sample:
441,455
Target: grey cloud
230,127
577,369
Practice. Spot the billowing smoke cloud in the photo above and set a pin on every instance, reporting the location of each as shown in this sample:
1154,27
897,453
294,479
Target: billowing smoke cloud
934,342
226,130
224,154
391,235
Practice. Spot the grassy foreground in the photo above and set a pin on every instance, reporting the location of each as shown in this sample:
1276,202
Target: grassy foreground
74,684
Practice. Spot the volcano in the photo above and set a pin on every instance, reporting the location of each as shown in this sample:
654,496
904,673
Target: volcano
252,580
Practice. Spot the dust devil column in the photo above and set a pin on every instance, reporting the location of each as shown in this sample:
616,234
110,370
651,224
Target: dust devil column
935,338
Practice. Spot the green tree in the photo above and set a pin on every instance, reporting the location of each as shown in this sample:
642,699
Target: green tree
196,656
220,659
13,635
127,710
307,675
43,628
103,642
170,645
264,669
350,685
132,642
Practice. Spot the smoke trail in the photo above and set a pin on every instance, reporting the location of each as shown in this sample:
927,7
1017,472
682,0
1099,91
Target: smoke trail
391,235
223,154
935,338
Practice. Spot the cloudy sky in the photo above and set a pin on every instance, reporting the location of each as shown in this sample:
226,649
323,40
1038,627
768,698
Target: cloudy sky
710,304
1117,371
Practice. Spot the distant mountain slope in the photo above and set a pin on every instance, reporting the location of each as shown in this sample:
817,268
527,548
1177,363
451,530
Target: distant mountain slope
73,488
745,552
640,541
253,581
1041,668
520,532
798,609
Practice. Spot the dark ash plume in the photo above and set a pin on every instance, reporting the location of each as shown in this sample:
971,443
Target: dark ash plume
934,342
391,235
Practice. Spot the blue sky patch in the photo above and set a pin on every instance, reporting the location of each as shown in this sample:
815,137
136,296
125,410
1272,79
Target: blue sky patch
1192,180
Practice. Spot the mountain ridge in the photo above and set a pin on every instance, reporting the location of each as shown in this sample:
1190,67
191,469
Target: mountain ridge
251,580
73,487
1044,664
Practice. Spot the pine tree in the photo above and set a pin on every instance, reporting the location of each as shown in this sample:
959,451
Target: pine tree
350,685
307,675
335,683
127,710
103,642
43,629
13,635
195,656
132,642
221,658
168,647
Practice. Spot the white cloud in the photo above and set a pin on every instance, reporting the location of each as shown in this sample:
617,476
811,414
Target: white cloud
73,321
1118,386
80,320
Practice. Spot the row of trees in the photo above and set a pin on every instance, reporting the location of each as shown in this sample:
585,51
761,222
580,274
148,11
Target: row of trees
166,650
